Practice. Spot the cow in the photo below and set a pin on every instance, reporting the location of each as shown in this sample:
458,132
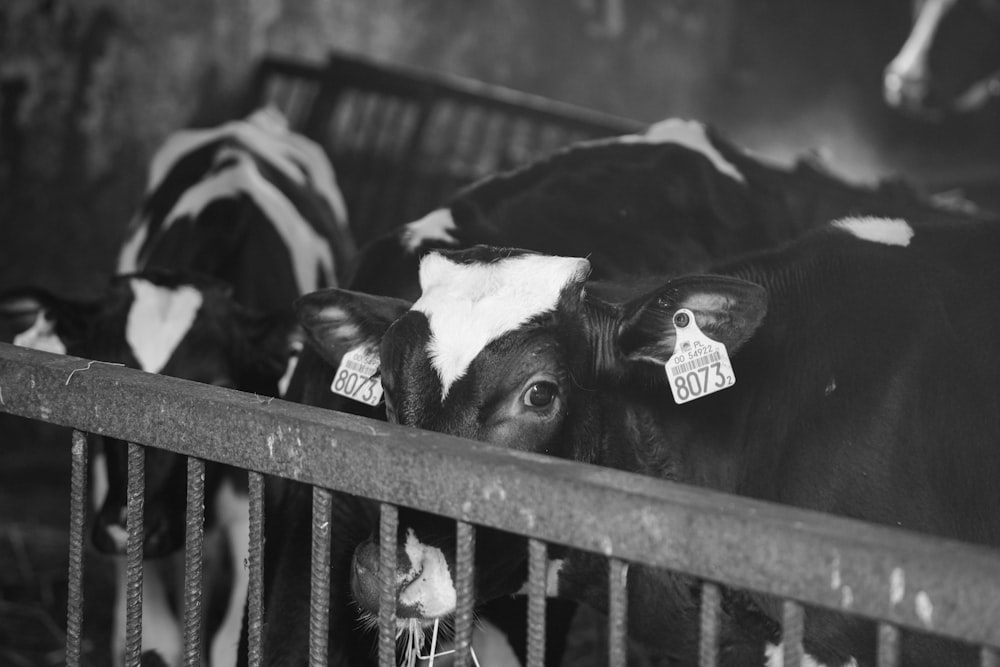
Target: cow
850,372
255,206
188,327
668,201
950,62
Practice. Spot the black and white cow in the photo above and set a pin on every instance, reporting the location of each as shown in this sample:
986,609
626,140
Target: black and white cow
190,328
255,206
950,62
249,202
666,202
855,374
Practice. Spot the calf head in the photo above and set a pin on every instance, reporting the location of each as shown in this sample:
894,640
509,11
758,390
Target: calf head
516,349
162,323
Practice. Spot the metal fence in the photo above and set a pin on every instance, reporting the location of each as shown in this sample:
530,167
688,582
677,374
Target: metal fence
801,557
403,140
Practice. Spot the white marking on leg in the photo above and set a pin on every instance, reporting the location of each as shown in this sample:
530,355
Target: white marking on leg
437,225
233,510
161,631
432,592
41,335
159,319
911,61
469,305
889,231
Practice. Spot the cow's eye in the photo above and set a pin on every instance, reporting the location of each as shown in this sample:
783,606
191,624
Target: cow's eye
540,395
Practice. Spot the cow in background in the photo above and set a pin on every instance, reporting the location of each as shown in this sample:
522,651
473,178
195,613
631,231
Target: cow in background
191,328
828,383
666,202
950,62
255,206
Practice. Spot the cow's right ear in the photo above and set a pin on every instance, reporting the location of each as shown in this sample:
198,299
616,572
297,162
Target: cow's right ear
338,320
727,310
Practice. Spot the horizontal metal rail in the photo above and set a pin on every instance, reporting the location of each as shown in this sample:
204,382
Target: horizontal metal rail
799,555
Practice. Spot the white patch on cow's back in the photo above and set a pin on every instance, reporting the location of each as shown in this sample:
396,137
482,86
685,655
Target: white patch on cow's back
310,253
41,335
158,320
890,231
469,305
776,658
435,226
431,589
690,134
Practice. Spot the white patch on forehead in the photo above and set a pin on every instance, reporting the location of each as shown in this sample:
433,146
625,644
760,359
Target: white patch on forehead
41,336
159,319
469,305
309,252
435,226
776,658
431,590
690,134
890,231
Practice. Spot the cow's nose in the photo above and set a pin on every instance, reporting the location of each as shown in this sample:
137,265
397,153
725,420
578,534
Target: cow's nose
366,584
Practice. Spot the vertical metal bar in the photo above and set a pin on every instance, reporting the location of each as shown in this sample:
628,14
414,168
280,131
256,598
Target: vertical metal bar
989,657
617,612
194,548
888,645
319,598
708,647
792,628
537,562
77,518
255,593
133,554
465,534
388,524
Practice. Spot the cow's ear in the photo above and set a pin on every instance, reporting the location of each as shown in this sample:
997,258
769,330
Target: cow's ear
727,310
338,320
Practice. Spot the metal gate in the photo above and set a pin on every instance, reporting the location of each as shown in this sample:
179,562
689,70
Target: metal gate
402,140
802,557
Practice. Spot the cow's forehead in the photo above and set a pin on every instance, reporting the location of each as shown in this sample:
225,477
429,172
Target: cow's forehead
469,305
158,320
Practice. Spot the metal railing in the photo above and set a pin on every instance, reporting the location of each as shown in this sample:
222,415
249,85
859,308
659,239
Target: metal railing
802,557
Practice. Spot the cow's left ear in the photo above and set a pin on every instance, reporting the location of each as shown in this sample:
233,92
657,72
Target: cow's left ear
338,320
727,310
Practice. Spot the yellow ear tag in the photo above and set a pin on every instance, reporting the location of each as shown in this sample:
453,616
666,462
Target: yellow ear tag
699,366
355,378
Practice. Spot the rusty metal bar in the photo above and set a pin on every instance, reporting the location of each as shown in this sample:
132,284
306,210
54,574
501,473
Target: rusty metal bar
388,524
194,547
319,598
792,629
465,550
782,551
133,553
255,591
888,645
708,638
537,575
617,612
77,520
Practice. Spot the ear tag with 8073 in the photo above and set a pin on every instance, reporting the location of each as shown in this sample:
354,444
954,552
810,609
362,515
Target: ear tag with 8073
699,366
